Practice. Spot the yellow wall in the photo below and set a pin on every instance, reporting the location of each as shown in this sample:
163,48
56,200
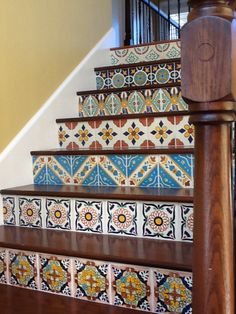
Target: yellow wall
41,41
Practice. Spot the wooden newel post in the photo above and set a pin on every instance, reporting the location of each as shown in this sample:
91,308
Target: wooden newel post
209,86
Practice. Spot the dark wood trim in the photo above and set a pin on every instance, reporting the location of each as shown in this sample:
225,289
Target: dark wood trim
125,116
126,89
120,193
136,65
148,44
27,301
128,250
122,151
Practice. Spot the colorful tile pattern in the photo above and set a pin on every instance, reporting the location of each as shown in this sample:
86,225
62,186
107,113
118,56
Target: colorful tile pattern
152,52
187,222
158,74
9,210
89,216
131,102
58,214
159,220
185,132
131,287
173,292
122,218
22,269
91,279
3,266
55,274
30,212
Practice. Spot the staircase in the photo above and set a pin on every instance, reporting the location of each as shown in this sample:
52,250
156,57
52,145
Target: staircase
108,223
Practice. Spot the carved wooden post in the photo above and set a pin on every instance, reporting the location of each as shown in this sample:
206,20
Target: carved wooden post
209,85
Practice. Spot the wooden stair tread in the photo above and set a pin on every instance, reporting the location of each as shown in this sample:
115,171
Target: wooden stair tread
26,301
120,151
125,116
127,250
104,192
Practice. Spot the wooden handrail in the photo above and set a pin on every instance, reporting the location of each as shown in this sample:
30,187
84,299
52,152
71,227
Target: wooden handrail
208,44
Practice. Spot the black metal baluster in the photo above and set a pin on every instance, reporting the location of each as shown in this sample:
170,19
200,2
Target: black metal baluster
149,22
127,23
168,26
179,10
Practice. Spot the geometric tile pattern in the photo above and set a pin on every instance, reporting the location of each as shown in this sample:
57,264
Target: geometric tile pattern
30,212
157,220
130,286
138,133
151,52
168,72
173,292
128,102
9,210
170,171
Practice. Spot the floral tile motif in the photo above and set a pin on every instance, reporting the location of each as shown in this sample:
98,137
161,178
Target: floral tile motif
89,216
91,279
122,218
131,287
158,74
64,135
107,134
129,102
23,269
83,135
55,275
30,212
9,216
187,222
40,169
173,292
161,132
142,170
58,214
134,133
112,170
185,131
159,221
59,170
84,170
175,171
153,52
3,266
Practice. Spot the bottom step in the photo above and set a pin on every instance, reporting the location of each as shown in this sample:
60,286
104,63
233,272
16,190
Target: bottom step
24,301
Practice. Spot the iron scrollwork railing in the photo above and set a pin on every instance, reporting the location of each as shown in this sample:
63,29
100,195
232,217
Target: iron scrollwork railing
156,20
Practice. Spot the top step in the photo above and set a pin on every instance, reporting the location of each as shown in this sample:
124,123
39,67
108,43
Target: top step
156,51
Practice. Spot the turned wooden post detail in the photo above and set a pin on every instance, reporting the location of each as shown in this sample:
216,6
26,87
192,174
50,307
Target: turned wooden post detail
209,85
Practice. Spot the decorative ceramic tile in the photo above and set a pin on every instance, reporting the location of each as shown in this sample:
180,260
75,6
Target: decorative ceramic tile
23,269
40,169
59,170
58,214
83,135
122,218
30,212
161,132
159,220
89,215
175,171
64,135
134,133
84,170
142,170
112,170
185,131
55,275
9,217
107,134
3,266
157,74
187,222
91,280
173,292
131,287
152,52
129,102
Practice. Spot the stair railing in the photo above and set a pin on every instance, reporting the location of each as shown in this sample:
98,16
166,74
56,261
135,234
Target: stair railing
148,21
208,58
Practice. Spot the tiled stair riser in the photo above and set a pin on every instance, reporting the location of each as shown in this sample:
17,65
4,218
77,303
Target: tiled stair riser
132,102
142,288
158,74
145,53
163,171
127,133
156,220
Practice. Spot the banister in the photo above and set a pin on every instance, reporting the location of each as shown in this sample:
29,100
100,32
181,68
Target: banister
208,57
